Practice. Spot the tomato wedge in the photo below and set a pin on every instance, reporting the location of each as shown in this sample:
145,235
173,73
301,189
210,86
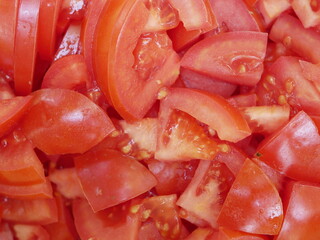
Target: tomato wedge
252,196
235,57
71,114
25,43
210,109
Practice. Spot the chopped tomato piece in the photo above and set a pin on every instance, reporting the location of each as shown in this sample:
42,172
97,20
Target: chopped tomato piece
243,100
6,92
69,72
271,9
35,211
253,203
292,148
235,57
123,178
233,15
207,191
182,138
307,11
5,232
228,234
116,222
69,113
30,232
210,109
289,30
202,234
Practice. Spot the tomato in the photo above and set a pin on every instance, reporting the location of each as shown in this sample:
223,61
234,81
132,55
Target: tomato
69,72
207,190
210,109
172,177
199,81
195,14
116,222
302,211
252,196
8,13
67,112
227,234
235,57
48,19
266,119
311,72
67,182
25,43
271,9
35,211
289,30
153,59
233,15
70,42
6,91
243,100
307,11
202,234
5,232
122,181
182,138
30,232
292,148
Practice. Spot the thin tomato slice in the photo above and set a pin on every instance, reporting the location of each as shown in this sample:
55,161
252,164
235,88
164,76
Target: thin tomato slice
12,110
235,57
294,147
80,122
35,211
234,15
118,223
253,203
210,109
207,191
69,72
108,178
8,19
47,36
26,46
290,31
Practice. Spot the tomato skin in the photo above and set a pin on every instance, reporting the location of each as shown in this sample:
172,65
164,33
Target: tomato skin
26,46
252,196
69,113
302,211
210,109
294,147
289,30
125,178
234,57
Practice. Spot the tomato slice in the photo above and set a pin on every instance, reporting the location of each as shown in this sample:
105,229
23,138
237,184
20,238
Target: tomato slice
294,147
47,36
12,110
228,234
118,223
253,203
199,81
139,77
69,113
35,211
243,100
195,14
5,232
67,182
202,234
311,72
271,9
301,217
69,72
8,13
70,43
164,211
266,119
25,43
172,177
290,31
182,138
210,109
29,232
6,92
207,191
109,178
235,57
308,15
234,15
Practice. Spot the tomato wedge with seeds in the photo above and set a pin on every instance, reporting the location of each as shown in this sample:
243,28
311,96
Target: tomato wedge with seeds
71,114
235,57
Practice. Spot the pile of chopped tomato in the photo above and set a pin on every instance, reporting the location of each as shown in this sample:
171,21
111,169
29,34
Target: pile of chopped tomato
159,119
